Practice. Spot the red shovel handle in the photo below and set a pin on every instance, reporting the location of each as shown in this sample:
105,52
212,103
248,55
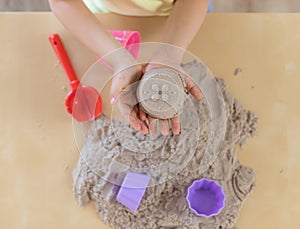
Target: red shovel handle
63,57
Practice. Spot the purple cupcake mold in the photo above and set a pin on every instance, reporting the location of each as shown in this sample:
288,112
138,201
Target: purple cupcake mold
132,190
206,197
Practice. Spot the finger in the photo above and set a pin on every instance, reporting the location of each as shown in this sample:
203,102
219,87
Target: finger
193,88
144,127
143,116
136,123
123,79
142,119
164,127
116,87
175,125
152,125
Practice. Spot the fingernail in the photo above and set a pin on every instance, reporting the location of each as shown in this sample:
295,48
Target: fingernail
112,101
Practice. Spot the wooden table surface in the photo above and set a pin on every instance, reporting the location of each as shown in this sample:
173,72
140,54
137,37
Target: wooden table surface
37,147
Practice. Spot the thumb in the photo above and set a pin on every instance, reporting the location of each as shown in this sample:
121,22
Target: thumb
115,90
193,88
124,79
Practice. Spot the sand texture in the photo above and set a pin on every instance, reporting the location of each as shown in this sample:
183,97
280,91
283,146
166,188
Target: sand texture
172,162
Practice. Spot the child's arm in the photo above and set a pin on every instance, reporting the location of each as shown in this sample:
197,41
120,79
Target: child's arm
184,22
78,19
180,29
182,25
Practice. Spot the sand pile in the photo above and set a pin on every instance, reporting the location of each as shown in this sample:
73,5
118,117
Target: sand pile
173,163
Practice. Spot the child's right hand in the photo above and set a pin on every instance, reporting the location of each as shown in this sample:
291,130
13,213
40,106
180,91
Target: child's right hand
123,92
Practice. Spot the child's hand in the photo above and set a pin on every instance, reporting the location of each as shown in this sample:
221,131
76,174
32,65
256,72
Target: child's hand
191,87
123,91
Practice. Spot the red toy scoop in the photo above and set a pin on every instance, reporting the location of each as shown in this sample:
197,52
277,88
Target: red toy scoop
83,102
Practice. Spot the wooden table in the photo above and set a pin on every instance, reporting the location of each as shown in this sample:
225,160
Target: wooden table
38,151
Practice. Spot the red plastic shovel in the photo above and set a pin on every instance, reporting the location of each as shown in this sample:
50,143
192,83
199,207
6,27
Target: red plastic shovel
83,102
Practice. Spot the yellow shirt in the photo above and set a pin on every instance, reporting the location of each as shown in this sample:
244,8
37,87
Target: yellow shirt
132,7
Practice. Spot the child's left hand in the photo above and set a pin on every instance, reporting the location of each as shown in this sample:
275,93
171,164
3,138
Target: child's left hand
191,87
